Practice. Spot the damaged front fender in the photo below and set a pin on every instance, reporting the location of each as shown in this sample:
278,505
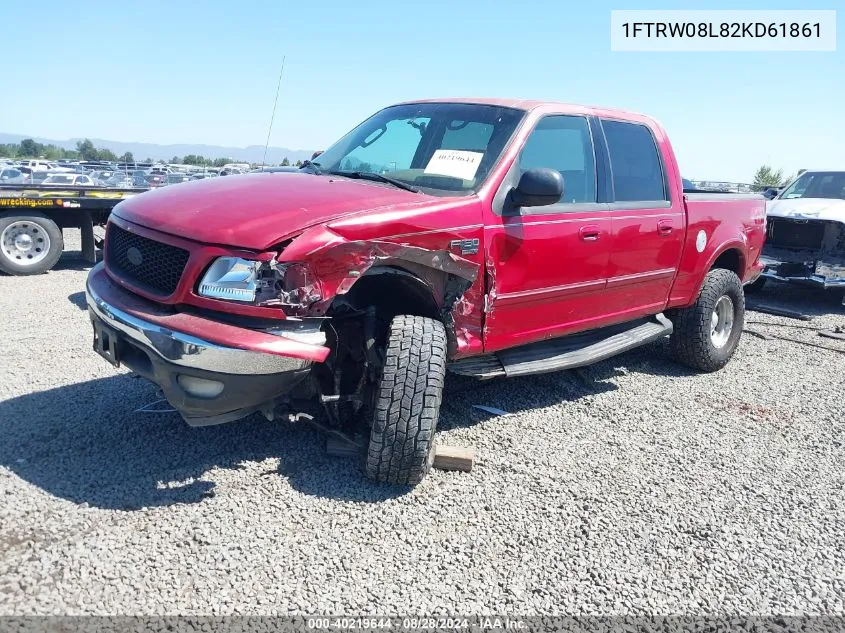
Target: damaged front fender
338,265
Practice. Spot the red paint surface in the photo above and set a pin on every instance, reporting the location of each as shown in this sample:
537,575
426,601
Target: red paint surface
537,274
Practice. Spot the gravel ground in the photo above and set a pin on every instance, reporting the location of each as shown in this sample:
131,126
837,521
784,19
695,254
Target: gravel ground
631,487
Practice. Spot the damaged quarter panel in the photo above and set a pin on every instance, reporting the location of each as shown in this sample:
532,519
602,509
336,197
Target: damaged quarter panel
438,243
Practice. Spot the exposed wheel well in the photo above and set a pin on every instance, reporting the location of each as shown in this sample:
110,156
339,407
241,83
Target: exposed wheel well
393,291
732,259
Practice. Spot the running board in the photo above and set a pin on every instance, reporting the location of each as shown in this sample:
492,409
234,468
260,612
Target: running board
567,352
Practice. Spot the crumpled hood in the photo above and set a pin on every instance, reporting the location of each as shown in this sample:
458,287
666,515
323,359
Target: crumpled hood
807,209
256,211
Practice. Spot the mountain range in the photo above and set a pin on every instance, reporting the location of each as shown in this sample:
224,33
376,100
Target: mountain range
249,154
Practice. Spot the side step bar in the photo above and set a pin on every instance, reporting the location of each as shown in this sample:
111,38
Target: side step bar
566,352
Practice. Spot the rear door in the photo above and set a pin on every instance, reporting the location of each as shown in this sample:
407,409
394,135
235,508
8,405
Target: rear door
547,265
648,225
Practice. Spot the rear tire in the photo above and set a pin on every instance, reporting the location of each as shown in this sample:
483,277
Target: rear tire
407,402
707,333
29,244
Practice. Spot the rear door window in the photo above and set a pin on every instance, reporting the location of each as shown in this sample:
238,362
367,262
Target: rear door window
635,164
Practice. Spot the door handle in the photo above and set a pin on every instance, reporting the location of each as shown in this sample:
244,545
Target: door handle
664,227
589,233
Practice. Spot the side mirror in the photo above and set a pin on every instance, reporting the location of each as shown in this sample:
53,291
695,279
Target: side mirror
770,193
315,154
538,187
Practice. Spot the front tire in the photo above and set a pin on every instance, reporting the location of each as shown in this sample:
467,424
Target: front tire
407,401
29,244
707,333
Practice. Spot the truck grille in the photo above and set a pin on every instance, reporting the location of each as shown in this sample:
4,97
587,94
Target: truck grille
145,262
795,233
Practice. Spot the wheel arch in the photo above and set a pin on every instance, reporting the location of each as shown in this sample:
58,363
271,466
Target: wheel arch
394,289
730,258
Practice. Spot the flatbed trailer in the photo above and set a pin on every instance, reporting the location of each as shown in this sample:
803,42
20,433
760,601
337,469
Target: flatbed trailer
32,218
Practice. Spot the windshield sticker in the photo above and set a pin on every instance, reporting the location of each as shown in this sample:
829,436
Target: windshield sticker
455,163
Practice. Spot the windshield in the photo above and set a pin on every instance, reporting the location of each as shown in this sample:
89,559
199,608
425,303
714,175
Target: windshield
441,147
817,184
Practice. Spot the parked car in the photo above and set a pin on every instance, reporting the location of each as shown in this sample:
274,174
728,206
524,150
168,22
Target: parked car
36,165
69,179
505,238
11,176
175,179
805,235
101,176
33,176
122,180
155,180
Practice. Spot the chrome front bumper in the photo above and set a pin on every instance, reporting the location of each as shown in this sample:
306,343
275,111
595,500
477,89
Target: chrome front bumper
185,350
207,382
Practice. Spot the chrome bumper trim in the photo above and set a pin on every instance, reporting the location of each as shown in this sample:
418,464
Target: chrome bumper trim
189,351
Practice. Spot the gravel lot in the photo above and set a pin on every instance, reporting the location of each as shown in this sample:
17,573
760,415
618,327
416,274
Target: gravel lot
630,487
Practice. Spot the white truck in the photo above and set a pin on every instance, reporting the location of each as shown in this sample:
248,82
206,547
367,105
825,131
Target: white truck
805,234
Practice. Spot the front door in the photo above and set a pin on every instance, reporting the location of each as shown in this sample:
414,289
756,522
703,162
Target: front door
547,266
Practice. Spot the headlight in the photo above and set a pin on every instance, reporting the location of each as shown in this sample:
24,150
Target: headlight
231,278
288,285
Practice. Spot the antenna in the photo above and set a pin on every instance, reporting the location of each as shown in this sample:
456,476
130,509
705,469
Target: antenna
273,116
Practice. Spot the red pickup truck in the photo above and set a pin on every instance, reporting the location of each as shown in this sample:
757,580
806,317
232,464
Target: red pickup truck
484,237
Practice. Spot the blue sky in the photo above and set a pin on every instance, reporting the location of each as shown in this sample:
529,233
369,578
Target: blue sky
165,71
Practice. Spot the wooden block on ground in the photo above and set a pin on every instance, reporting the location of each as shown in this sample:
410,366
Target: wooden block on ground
454,458
445,457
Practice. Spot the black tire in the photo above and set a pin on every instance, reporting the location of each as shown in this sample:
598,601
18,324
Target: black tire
755,286
691,341
407,402
16,264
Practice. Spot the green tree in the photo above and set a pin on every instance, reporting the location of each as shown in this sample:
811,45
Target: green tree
298,163
51,152
106,154
175,160
768,177
219,162
87,150
29,148
285,162
194,159
127,158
